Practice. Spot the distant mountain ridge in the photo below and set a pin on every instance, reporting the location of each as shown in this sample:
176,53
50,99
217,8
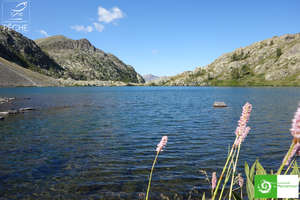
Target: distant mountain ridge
274,61
150,77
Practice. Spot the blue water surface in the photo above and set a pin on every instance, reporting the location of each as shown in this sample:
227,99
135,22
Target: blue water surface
99,142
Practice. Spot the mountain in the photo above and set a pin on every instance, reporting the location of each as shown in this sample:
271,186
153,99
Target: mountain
72,61
271,62
150,77
17,48
157,81
13,75
82,61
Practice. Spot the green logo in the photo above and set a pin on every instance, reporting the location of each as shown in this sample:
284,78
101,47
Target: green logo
265,186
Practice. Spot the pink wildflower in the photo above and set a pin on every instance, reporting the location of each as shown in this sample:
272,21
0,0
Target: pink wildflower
242,137
242,131
295,130
214,180
295,150
247,108
162,144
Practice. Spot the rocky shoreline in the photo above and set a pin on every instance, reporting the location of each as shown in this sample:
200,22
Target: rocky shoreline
71,83
6,113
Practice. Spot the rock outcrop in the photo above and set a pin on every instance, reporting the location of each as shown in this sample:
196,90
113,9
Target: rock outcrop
82,61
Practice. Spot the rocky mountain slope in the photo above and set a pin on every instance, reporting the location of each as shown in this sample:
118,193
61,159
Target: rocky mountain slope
274,62
82,61
16,48
13,75
66,59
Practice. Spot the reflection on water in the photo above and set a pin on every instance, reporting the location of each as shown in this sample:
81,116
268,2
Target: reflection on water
99,143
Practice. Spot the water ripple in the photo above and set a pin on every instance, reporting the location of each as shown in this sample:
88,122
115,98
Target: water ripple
99,143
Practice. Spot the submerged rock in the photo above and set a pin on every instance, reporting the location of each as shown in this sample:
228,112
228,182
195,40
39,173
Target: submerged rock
12,112
3,113
1,118
26,109
6,99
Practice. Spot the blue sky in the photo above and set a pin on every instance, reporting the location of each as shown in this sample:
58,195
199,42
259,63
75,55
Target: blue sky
165,37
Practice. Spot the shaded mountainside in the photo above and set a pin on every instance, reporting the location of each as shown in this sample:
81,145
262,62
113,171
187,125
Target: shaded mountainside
16,48
82,61
63,58
274,62
13,75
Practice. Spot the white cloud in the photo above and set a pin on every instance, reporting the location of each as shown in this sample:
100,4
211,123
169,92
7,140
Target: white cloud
44,33
104,16
81,28
108,16
98,27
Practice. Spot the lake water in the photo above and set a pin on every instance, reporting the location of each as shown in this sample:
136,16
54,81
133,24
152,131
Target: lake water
99,142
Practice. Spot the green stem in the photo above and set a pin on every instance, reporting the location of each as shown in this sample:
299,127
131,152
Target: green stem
289,167
241,192
286,158
233,172
223,171
150,178
227,173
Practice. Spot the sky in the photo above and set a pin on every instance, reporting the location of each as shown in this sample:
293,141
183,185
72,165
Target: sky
163,37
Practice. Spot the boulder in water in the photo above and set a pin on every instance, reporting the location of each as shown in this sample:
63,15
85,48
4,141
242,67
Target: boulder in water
220,104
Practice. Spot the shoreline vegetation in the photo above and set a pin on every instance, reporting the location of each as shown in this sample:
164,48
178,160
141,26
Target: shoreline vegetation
232,83
230,183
